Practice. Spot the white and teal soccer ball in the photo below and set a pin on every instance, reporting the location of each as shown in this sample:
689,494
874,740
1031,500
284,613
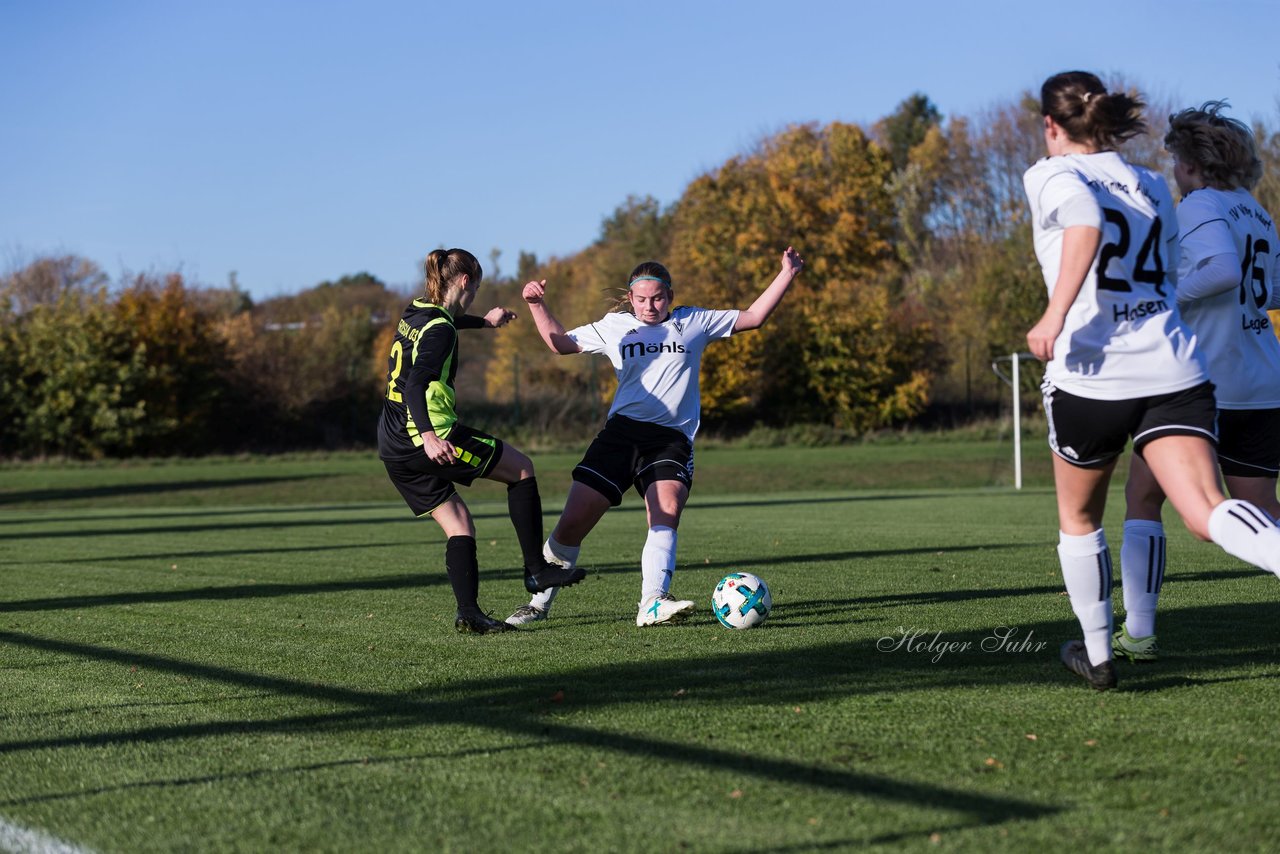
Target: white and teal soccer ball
741,601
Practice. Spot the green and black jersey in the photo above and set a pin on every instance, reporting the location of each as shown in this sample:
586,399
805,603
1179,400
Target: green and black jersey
421,369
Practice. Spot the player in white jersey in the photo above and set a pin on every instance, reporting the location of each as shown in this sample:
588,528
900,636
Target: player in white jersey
1226,284
1121,364
647,440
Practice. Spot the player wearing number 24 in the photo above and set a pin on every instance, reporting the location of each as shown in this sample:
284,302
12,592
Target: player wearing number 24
1121,363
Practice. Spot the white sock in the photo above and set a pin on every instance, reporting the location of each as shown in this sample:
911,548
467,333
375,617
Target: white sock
1246,532
560,553
657,561
556,553
1086,569
1142,573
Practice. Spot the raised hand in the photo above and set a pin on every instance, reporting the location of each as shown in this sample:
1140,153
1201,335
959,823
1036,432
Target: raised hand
534,292
792,262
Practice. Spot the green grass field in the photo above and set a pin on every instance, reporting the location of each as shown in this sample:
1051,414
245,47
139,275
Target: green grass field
258,655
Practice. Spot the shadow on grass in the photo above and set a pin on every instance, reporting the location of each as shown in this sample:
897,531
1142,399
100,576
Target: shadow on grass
40,496
270,590
401,514
226,527
260,773
269,551
1208,641
117,513
516,705
230,592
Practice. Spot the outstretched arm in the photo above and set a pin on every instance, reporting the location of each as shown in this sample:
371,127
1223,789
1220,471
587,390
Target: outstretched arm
551,330
755,316
492,319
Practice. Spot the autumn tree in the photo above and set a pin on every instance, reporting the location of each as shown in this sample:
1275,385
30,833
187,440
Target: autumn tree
185,386
844,348
906,127
70,378
312,365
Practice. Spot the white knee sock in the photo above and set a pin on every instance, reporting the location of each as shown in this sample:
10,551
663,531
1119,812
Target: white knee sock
1142,573
1246,532
556,553
1086,569
657,561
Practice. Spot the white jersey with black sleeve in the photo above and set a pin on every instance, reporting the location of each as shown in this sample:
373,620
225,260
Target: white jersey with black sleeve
1123,337
1229,313
657,366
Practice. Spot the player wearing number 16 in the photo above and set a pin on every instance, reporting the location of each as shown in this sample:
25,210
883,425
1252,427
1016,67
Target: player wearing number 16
427,450
1227,277
1121,363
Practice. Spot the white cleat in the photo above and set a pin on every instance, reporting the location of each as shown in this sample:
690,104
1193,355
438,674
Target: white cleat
527,614
663,608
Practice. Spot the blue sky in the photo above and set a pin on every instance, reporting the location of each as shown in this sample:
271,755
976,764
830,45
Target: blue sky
294,142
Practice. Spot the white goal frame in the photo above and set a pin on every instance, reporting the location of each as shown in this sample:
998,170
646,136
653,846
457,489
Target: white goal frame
1014,381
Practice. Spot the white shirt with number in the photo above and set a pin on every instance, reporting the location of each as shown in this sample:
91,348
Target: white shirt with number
1232,326
1123,337
657,366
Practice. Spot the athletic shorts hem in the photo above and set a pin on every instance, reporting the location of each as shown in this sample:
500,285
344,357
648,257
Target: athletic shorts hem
426,485
1083,464
1249,442
630,453
1239,468
598,482
1088,432
1141,440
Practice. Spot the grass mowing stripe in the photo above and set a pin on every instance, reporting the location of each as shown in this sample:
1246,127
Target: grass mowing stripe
205,673
384,707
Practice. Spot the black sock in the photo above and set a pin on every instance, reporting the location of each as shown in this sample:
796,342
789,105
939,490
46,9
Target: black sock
525,506
464,572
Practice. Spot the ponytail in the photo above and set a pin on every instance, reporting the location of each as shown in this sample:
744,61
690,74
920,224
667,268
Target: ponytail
1079,103
443,266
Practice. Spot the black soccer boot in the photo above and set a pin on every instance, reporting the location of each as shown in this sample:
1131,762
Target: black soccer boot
479,623
1076,658
540,578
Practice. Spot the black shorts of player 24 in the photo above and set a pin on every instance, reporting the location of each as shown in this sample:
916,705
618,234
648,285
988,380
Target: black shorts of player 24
629,452
425,484
1249,442
1087,432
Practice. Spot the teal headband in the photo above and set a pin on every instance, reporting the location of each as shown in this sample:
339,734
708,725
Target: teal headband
648,279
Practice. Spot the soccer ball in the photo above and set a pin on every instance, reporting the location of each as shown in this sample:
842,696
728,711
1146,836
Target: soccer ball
741,601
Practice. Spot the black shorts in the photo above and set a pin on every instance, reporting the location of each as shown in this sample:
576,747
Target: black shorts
636,453
1088,432
1249,443
425,484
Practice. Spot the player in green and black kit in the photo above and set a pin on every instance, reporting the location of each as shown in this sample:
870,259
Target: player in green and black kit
427,450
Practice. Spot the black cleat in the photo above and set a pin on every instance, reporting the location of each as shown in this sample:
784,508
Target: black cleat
480,624
551,575
1101,676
